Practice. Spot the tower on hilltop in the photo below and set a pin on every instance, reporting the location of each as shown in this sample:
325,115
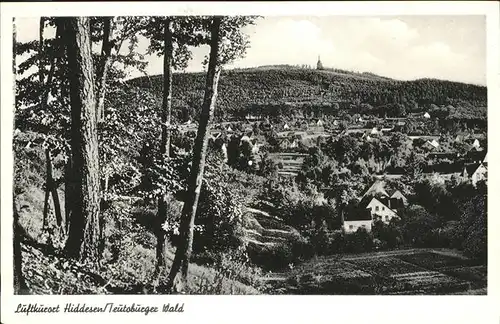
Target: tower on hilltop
319,65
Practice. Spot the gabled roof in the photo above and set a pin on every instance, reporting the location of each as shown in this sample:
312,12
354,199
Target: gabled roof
471,168
398,195
376,189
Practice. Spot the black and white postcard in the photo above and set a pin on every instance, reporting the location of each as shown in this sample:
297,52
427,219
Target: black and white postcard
155,155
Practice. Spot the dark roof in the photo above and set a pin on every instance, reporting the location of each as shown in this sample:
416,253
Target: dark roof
476,155
357,213
442,155
471,168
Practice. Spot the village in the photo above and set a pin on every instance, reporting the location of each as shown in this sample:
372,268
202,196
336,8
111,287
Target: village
293,139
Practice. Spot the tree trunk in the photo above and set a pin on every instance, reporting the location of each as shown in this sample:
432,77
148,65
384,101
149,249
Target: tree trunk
184,248
50,76
103,67
14,41
51,188
83,236
68,192
55,196
48,188
19,282
40,51
165,141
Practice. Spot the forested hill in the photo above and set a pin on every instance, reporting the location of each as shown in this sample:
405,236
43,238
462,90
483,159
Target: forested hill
286,90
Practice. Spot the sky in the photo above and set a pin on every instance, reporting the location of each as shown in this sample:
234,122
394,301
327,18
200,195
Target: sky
401,47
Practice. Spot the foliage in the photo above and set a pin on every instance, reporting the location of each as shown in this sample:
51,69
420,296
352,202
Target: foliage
298,92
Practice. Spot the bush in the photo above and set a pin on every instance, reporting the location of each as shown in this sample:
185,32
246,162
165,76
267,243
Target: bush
389,235
360,241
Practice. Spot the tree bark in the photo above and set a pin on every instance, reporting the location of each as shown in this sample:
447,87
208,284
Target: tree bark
20,286
186,230
51,188
50,75
40,51
48,186
68,192
103,67
83,236
165,140
19,282
55,195
14,47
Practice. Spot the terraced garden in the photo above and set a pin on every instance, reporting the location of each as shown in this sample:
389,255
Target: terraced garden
412,272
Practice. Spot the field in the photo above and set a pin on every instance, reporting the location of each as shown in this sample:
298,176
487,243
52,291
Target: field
407,272
291,162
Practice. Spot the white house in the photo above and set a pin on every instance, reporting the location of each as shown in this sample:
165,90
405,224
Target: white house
476,143
229,129
245,138
426,115
476,172
224,152
286,126
335,123
431,144
319,123
351,226
380,210
374,131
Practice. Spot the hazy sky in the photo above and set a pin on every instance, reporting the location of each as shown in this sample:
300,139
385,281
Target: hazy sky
404,47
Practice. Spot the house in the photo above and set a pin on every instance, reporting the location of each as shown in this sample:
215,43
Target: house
443,155
398,196
335,123
229,129
319,123
377,189
224,152
431,145
475,156
286,126
284,143
379,210
356,218
475,172
427,115
374,131
476,143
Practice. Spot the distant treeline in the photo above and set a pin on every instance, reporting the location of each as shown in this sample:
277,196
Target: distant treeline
294,91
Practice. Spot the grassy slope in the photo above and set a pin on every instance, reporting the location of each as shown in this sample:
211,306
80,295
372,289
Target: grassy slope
47,271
